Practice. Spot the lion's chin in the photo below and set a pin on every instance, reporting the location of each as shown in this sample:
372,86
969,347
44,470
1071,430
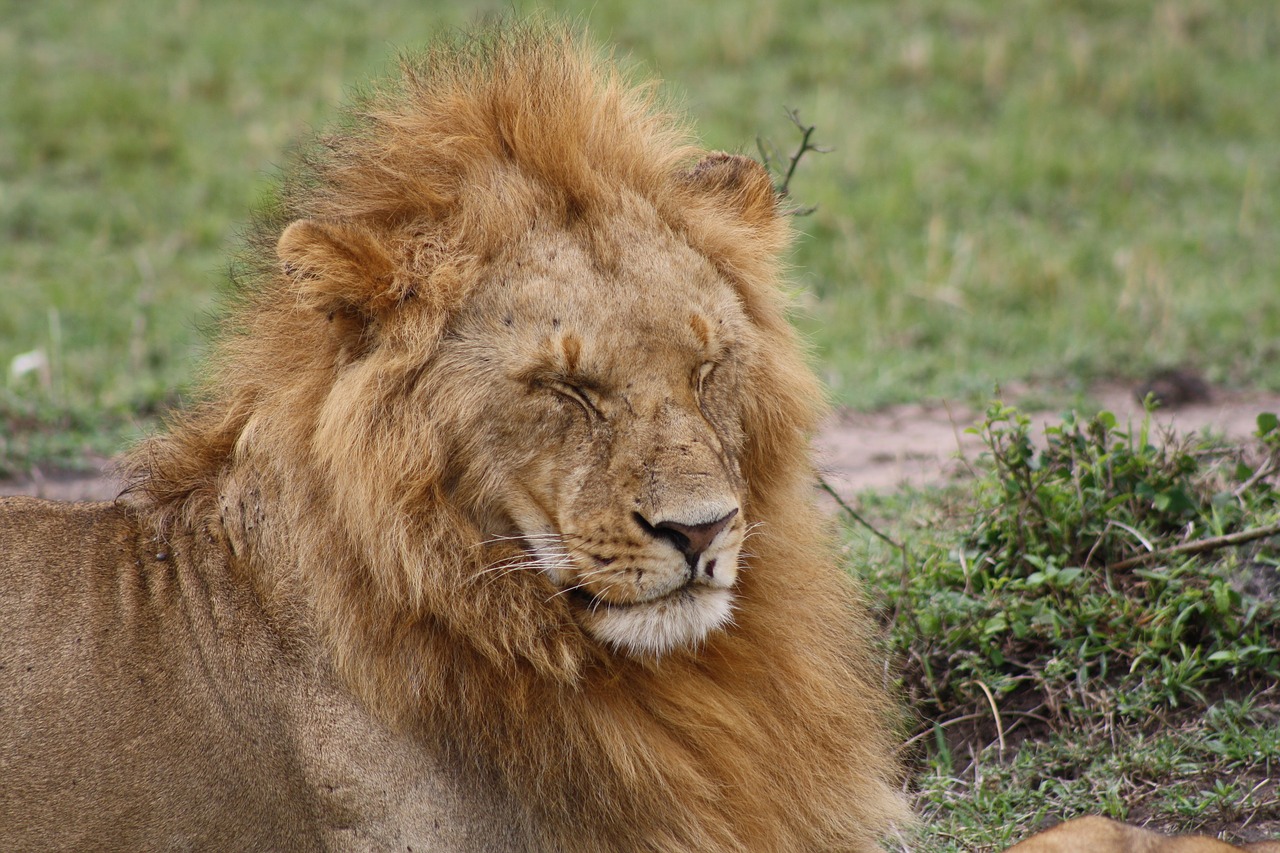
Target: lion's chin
679,620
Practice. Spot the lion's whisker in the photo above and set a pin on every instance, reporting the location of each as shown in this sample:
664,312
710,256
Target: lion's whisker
581,583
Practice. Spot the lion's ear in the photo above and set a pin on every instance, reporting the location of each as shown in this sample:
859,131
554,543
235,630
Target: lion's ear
740,184
338,265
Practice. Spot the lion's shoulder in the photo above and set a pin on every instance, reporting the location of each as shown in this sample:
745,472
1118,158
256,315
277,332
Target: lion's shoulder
96,579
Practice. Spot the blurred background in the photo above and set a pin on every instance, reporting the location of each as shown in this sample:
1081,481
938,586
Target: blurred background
1036,194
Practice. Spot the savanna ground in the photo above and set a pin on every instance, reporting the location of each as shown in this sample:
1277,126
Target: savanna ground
1058,198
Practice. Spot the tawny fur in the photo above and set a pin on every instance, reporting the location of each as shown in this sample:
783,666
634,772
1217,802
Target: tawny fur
1099,835
315,470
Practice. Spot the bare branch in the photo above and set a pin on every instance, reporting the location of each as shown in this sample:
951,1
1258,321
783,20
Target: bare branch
772,159
1199,546
806,134
852,513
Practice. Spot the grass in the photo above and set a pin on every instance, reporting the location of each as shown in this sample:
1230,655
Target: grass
1090,625
1207,775
1052,191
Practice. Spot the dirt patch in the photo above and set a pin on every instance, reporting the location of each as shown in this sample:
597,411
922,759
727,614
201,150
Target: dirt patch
921,444
95,484
926,444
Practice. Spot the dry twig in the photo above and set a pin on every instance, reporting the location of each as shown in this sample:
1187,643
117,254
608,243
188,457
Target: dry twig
772,157
852,513
1199,546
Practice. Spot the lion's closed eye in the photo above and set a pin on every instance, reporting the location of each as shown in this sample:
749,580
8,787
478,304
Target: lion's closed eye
576,394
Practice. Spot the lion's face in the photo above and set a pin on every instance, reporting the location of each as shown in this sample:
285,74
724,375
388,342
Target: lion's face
608,435
582,392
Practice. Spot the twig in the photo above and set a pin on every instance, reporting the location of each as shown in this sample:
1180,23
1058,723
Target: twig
806,132
1199,546
995,712
1266,469
956,431
770,155
826,487
963,718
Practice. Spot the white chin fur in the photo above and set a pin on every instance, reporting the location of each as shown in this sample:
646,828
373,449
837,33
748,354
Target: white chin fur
657,627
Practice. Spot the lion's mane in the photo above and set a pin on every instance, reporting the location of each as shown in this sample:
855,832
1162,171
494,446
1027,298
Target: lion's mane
330,489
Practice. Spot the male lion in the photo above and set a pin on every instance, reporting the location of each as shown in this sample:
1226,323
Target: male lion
494,531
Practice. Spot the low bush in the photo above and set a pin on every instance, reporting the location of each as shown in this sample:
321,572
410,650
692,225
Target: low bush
1095,570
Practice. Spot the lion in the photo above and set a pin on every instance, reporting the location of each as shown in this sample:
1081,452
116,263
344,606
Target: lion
493,528
1100,835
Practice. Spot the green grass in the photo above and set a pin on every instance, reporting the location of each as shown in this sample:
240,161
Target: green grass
1210,774
1053,191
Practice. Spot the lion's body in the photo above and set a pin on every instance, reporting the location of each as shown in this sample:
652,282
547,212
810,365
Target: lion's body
455,552
1099,835
149,704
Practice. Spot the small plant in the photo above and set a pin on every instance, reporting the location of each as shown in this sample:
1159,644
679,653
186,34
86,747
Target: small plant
1090,625
1075,584
772,159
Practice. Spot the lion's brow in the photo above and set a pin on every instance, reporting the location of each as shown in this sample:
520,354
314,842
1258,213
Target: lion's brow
704,333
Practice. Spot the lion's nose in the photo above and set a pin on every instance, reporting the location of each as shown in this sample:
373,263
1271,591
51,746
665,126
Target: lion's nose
689,539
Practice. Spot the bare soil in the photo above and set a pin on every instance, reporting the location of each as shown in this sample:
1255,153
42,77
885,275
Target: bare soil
917,445
925,444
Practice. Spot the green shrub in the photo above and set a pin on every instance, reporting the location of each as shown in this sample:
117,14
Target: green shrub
1088,574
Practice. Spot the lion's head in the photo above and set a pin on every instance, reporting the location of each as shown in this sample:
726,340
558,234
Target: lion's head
576,322
512,406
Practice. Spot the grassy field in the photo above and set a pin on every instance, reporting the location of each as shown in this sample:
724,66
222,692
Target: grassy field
1053,191
1036,191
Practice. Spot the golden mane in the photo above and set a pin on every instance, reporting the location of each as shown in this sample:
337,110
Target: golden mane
332,488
